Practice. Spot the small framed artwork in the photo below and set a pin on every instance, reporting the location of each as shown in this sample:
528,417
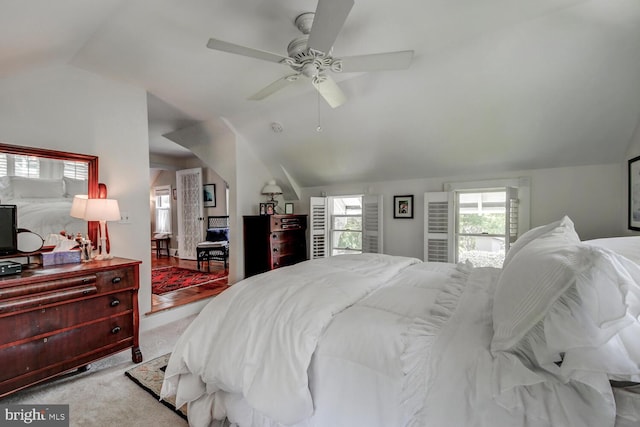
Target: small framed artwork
175,194
263,208
209,195
270,208
288,208
634,194
403,206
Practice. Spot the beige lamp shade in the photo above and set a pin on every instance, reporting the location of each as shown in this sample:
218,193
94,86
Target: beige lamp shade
271,188
102,210
79,206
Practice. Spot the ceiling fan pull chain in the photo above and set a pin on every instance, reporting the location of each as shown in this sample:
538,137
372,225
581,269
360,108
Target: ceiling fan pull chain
319,128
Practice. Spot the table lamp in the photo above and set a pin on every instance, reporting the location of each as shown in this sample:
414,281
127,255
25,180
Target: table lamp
272,189
102,210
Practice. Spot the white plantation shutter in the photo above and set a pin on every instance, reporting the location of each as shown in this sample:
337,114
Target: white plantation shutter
512,214
318,228
372,223
438,227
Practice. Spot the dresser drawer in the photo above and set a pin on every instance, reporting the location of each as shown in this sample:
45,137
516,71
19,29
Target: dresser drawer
57,348
278,261
286,247
45,320
283,223
111,280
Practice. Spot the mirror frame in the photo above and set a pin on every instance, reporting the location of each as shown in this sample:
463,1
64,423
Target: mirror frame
93,192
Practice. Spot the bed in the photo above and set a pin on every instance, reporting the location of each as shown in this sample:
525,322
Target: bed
382,341
43,205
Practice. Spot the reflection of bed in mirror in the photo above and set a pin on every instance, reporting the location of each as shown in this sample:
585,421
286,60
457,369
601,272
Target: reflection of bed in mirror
42,184
43,204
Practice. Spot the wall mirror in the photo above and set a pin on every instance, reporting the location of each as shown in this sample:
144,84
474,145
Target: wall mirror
42,184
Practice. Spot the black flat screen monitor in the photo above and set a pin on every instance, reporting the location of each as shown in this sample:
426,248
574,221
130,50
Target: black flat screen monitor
8,230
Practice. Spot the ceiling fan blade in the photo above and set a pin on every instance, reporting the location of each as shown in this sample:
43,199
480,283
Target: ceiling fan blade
327,23
377,61
274,87
331,92
245,51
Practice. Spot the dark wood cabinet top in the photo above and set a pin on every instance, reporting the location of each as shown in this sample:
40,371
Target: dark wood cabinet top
36,274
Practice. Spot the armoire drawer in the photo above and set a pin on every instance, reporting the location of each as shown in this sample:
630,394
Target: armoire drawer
58,347
45,320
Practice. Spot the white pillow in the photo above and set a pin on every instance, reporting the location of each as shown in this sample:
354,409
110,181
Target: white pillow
27,188
6,192
73,187
570,309
564,225
533,279
628,247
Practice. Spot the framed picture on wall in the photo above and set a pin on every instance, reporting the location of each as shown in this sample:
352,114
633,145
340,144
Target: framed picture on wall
288,208
209,195
403,206
634,194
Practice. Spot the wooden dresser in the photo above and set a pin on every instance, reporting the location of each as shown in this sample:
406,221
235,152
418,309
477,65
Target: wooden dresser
272,241
60,318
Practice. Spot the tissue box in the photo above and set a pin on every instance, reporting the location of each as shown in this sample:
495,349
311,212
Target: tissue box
60,257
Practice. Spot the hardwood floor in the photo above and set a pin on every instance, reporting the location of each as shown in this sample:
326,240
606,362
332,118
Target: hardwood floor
182,296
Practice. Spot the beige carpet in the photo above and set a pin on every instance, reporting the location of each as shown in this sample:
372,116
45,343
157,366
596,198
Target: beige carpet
103,396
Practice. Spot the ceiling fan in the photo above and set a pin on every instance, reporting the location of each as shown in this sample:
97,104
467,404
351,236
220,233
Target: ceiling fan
310,55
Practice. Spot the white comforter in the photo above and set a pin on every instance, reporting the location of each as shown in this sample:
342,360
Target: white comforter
256,339
46,216
367,340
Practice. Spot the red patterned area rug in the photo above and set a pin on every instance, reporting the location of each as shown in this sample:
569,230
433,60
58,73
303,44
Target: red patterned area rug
169,279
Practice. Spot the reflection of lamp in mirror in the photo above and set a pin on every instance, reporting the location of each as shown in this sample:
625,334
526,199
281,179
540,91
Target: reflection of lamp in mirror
272,189
79,206
102,210
78,209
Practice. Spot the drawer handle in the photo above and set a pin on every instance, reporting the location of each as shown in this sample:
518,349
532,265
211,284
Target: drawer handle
115,330
275,249
116,280
115,303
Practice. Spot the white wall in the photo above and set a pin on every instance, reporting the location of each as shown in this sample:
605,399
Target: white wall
68,109
593,196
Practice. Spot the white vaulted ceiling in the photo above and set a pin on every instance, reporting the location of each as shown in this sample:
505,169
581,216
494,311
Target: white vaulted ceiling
494,85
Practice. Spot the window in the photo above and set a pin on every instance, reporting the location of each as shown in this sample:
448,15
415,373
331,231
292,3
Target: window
76,170
26,166
475,221
346,225
162,196
481,227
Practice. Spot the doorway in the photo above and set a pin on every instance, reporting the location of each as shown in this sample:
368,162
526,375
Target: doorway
167,176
